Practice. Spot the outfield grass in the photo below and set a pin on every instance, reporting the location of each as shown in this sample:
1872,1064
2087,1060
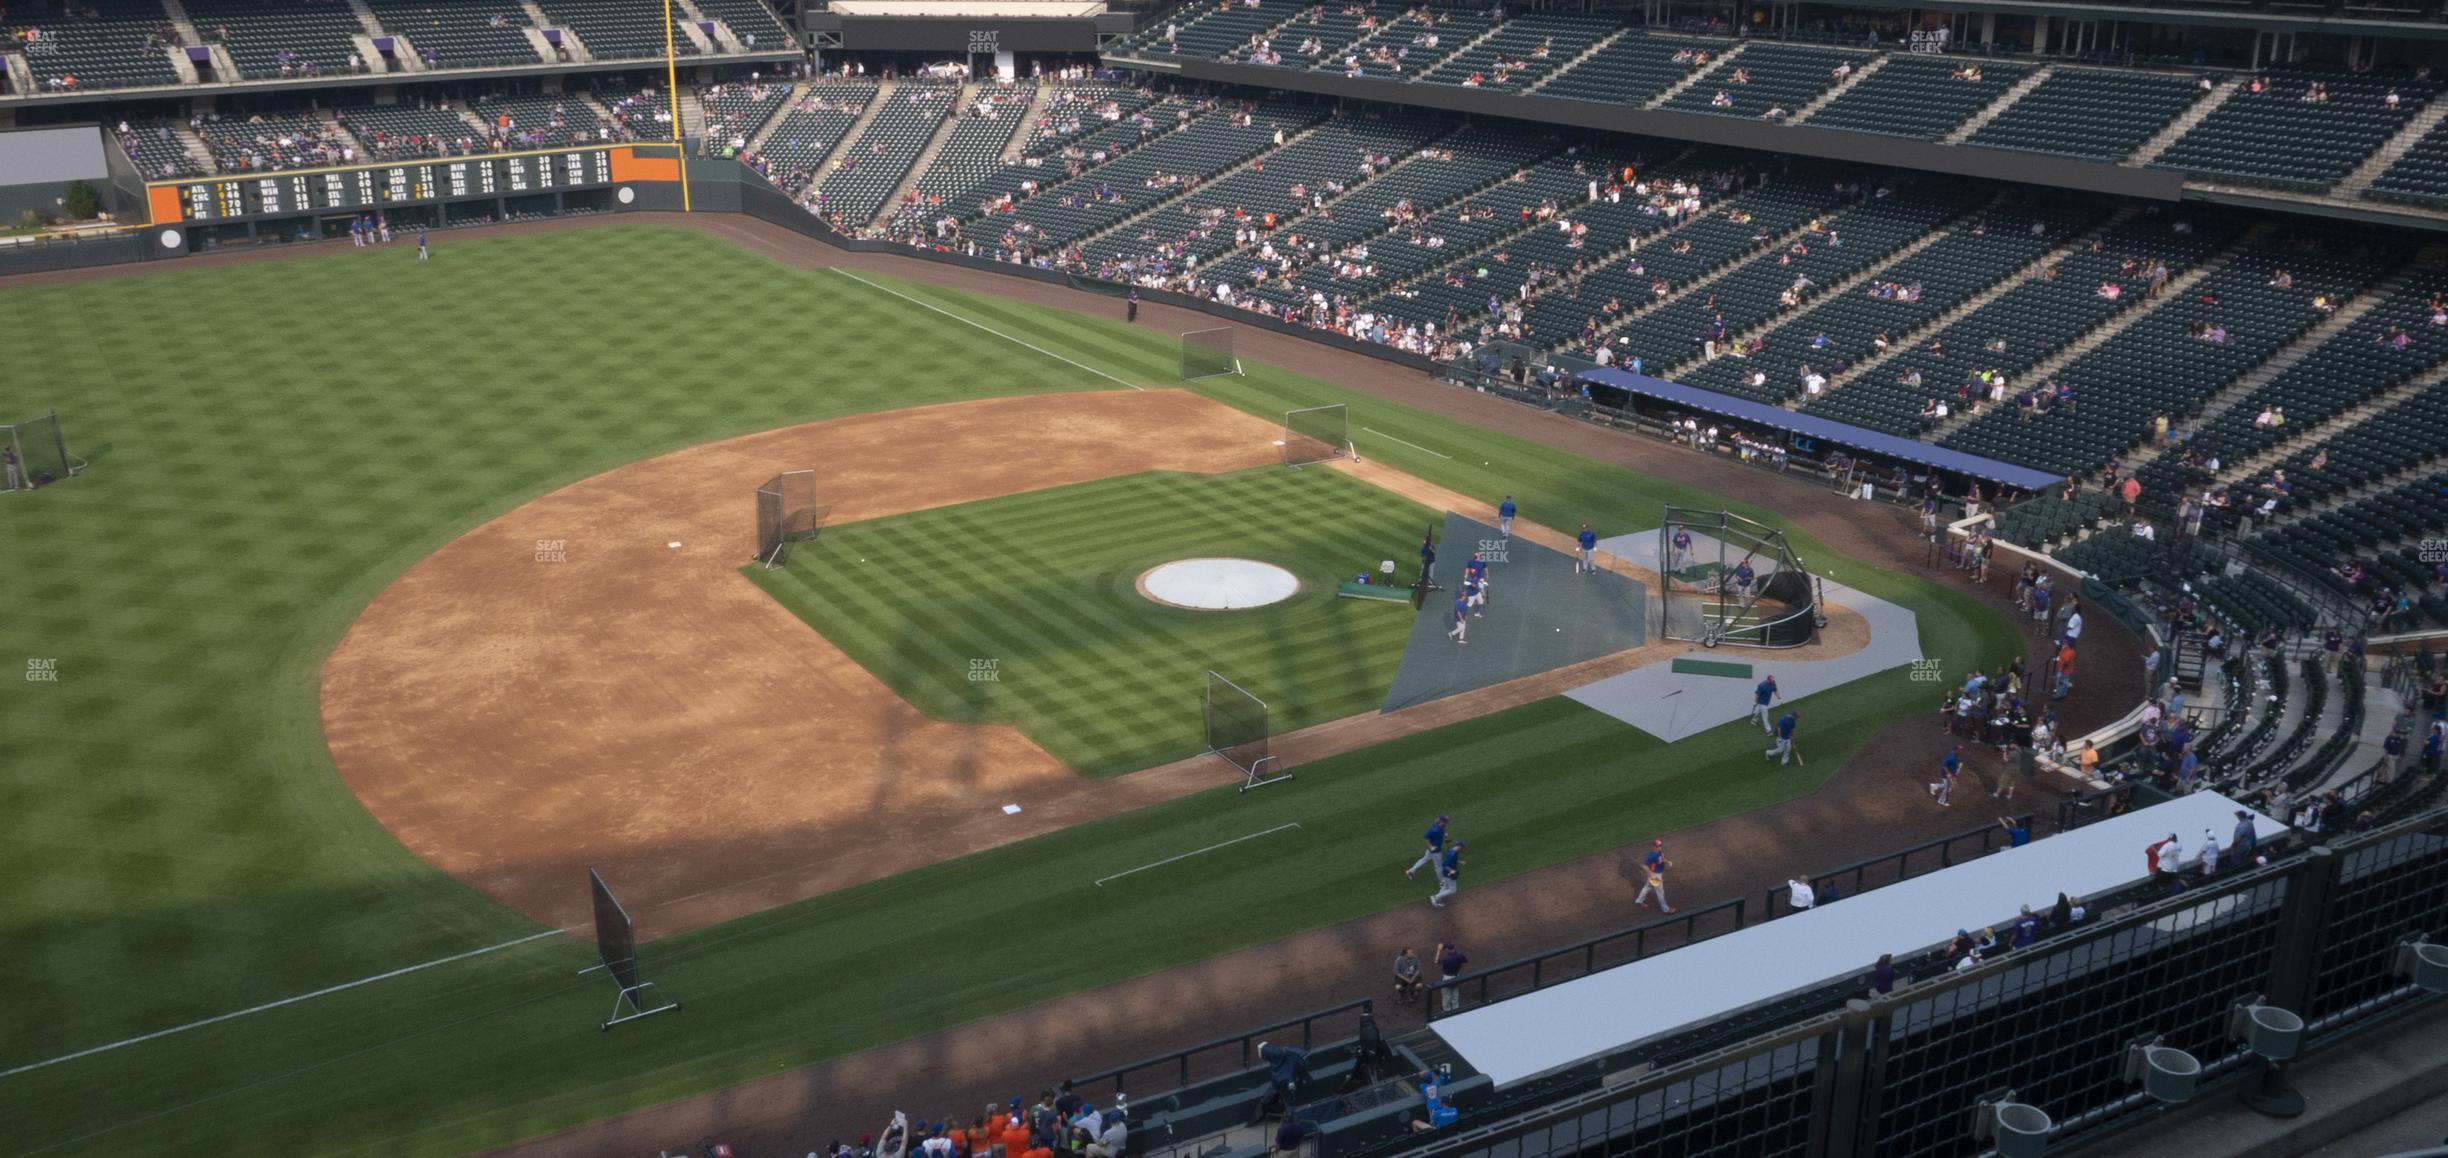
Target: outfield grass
1043,585
273,443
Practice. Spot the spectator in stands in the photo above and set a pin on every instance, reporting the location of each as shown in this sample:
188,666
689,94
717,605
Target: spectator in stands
1435,1112
1290,1135
2026,929
2165,858
2394,751
1406,975
2061,914
1883,975
1799,895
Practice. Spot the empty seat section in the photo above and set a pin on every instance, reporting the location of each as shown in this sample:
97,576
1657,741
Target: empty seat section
2281,138
1919,96
2091,113
459,33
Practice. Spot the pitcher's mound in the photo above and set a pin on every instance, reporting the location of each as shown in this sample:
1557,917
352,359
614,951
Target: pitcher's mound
1217,584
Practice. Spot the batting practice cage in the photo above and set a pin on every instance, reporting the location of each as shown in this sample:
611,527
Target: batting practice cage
1236,723
1317,434
785,514
1208,354
616,948
1732,580
37,454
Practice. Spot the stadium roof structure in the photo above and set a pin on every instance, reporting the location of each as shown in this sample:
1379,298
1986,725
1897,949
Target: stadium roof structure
1551,1029
1845,434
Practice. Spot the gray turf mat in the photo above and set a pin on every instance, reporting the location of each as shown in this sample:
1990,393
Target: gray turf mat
1540,616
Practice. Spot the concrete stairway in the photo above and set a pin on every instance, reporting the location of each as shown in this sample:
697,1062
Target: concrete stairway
756,140
857,128
2253,466
1915,339
1998,107
1698,74
2179,288
1767,251
1084,240
197,150
2289,355
1038,100
2176,129
926,155
1860,73
1577,58
1839,288
177,13
2394,150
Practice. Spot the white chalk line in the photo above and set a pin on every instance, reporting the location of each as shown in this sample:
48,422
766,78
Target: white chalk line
160,1033
1412,445
1100,881
983,326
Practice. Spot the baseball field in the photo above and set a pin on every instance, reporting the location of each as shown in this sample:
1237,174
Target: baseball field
396,594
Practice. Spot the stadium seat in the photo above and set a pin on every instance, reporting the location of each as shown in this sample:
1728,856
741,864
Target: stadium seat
2095,114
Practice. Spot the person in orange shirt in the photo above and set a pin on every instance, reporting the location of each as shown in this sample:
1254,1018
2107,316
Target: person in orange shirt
959,1139
1015,1137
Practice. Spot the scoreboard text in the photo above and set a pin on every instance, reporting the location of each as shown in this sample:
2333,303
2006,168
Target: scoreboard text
370,188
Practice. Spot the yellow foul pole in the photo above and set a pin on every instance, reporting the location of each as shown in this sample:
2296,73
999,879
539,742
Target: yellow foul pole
671,93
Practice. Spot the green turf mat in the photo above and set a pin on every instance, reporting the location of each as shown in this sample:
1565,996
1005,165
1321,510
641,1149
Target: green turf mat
1710,667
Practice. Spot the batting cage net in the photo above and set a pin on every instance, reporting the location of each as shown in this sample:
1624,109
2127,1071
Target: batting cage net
1236,723
1727,579
1208,354
785,514
1316,435
35,453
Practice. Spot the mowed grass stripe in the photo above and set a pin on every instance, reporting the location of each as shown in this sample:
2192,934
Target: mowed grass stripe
1044,584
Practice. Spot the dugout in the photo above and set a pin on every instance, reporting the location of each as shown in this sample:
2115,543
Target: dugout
1805,436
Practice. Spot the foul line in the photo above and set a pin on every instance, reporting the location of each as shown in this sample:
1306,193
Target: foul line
983,326
1412,445
1100,881
68,1057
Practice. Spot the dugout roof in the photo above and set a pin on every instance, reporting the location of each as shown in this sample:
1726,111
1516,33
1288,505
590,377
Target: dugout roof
1550,1029
1843,434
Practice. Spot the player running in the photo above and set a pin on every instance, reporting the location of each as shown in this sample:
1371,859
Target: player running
1435,837
1475,581
1760,697
1460,630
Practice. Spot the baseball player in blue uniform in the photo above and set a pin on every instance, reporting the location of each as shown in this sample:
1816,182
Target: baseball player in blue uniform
1760,697
1947,770
1784,735
1475,583
1435,836
1589,551
1504,517
1459,632
1743,575
1682,547
1449,875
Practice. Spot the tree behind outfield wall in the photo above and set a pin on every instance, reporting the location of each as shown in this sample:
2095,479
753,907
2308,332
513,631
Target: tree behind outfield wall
81,202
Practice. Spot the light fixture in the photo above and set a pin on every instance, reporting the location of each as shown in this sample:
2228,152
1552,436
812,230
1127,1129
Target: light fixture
2426,963
2273,1035
2013,1129
2165,1072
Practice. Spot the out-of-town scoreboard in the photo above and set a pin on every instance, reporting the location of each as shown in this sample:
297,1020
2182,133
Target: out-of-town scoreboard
371,188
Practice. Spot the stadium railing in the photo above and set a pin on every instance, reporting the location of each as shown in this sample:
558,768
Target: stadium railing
2317,934
1582,958
1862,876
1224,1055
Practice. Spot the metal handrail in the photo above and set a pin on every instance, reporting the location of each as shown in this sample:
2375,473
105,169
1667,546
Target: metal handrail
1539,965
1245,1042
1778,898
